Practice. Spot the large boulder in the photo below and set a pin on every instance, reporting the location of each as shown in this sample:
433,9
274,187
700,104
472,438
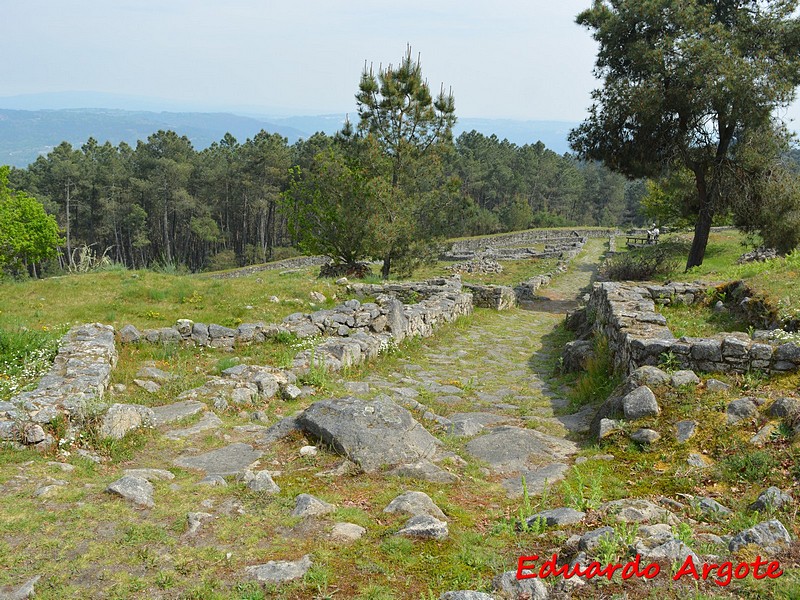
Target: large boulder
372,433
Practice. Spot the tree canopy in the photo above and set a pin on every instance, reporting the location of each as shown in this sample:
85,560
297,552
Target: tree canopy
28,235
683,84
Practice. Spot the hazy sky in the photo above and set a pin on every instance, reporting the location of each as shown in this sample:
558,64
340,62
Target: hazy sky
509,58
521,59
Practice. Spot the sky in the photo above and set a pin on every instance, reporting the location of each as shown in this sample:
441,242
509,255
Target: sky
517,59
514,59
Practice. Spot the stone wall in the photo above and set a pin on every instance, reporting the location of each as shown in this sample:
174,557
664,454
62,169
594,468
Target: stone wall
298,262
78,378
403,321
637,335
523,238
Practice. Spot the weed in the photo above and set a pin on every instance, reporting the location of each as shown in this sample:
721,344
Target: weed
598,380
683,532
749,465
669,361
584,492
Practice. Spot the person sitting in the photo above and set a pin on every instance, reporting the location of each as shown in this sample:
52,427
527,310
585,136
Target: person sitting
652,234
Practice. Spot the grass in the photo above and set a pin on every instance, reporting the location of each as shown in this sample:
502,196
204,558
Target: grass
700,320
775,279
86,543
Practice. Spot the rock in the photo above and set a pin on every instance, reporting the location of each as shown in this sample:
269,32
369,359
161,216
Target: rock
129,334
33,434
711,506
513,449
649,376
23,592
784,407
738,410
684,378
769,536
341,281
307,505
137,490
194,520
763,435
155,374
425,526
640,403
556,517
415,504
698,461
396,320
424,470
607,427
213,480
371,434
576,355
715,385
229,460
309,451
357,387
645,436
685,430
274,299
151,387
591,540
465,595
260,481
536,479
530,589
771,498
150,474
122,418
176,411
670,551
636,510
347,532
279,571
317,297
208,421
291,392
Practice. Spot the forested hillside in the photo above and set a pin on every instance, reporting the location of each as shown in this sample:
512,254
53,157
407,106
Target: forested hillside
164,201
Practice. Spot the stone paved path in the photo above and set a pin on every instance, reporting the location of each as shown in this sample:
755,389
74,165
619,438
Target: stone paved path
490,382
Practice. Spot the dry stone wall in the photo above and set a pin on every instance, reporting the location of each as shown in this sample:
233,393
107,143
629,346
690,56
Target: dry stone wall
78,379
523,238
637,335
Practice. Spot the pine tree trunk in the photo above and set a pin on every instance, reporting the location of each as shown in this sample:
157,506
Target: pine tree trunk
387,265
702,226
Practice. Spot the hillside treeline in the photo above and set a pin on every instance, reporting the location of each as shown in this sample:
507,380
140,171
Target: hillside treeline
165,202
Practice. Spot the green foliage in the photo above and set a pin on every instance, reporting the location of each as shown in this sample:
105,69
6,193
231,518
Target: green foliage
25,355
28,235
334,206
583,491
640,264
685,87
598,380
746,464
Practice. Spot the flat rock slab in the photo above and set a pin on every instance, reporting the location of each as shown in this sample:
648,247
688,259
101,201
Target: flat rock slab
558,516
424,470
229,460
137,490
579,422
150,474
425,526
347,532
177,411
536,479
206,422
513,449
415,504
279,571
307,505
372,434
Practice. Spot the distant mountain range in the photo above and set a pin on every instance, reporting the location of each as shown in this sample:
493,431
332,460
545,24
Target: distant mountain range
27,134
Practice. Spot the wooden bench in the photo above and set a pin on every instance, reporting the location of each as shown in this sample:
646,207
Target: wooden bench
634,241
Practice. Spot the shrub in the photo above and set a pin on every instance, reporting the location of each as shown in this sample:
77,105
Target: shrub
640,264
